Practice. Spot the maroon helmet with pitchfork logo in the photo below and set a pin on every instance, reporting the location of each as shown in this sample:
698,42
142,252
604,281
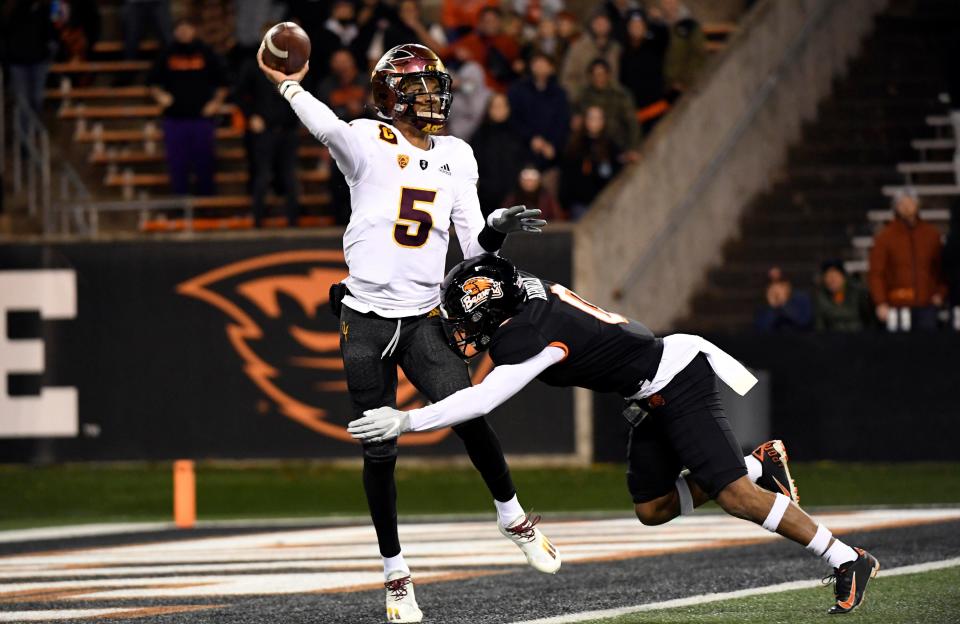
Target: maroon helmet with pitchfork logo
411,83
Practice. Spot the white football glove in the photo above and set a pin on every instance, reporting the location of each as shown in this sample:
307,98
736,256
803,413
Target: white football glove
515,219
377,425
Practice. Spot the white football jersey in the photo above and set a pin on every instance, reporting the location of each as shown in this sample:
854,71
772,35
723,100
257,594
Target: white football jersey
403,200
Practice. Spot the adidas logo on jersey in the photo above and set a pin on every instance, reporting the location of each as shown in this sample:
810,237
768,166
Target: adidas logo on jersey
445,169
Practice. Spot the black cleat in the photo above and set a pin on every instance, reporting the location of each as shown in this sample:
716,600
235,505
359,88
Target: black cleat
776,473
850,581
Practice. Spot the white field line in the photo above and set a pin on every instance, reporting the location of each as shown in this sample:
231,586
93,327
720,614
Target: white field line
741,593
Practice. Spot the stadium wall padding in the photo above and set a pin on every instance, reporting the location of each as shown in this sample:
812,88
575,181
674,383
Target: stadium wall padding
225,348
870,396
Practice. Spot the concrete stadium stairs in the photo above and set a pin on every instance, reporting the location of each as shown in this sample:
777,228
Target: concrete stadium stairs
834,175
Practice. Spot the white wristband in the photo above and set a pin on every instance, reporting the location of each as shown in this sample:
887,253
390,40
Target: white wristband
289,88
495,215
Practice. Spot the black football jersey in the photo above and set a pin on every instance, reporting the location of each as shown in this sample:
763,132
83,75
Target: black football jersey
606,352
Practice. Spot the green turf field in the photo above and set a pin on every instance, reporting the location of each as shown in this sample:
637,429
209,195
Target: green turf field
924,597
42,496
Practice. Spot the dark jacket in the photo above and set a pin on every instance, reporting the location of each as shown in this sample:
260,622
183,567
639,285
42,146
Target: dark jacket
588,166
687,53
27,34
618,109
796,315
846,311
535,112
255,95
500,155
905,264
191,73
641,66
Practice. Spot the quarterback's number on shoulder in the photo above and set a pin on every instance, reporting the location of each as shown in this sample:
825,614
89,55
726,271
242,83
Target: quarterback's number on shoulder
411,218
572,298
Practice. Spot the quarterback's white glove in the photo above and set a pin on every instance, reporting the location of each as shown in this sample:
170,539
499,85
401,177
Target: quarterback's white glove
377,425
515,219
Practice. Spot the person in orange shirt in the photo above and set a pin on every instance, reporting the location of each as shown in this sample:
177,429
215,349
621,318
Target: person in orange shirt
905,265
487,45
459,17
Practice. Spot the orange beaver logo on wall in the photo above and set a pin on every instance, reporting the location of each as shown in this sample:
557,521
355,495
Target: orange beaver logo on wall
281,327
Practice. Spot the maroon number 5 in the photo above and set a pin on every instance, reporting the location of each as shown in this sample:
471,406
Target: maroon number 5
413,225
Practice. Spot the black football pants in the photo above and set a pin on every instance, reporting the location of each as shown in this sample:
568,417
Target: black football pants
437,372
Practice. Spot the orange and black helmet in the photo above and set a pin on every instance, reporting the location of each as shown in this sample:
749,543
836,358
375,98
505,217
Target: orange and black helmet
404,73
476,297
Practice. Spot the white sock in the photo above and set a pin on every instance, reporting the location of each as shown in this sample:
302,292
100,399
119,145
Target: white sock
394,564
838,554
754,467
686,498
507,512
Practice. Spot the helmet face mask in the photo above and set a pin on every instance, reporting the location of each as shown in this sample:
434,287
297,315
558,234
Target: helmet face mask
410,82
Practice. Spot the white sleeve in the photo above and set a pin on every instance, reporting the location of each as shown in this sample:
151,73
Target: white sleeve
466,214
333,132
502,383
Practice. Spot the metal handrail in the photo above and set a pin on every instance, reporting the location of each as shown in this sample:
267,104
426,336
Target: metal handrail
90,210
35,142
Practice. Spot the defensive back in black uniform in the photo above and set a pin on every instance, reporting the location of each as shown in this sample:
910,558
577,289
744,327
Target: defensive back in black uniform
681,449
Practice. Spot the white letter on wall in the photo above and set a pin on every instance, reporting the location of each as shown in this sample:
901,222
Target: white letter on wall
55,412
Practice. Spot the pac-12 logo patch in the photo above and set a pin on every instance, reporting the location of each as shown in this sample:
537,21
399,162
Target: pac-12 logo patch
403,160
479,289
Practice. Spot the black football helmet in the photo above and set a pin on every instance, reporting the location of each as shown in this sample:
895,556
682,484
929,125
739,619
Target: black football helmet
476,297
404,73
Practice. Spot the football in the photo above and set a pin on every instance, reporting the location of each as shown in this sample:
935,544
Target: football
286,48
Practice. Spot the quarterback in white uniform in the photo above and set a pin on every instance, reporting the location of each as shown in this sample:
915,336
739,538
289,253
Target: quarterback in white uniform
407,185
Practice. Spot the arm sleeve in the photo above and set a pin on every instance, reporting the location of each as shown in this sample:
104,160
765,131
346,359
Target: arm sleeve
501,384
475,236
333,132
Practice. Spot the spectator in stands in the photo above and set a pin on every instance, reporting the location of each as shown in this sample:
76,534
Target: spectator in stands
905,266
618,107
546,41
188,83
568,29
641,67
619,12
272,141
471,94
344,90
531,193
28,37
251,17
785,309
590,161
312,15
343,22
490,47
540,111
687,52
597,44
840,304
460,17
408,27
140,16
951,264
500,154
535,11
78,25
